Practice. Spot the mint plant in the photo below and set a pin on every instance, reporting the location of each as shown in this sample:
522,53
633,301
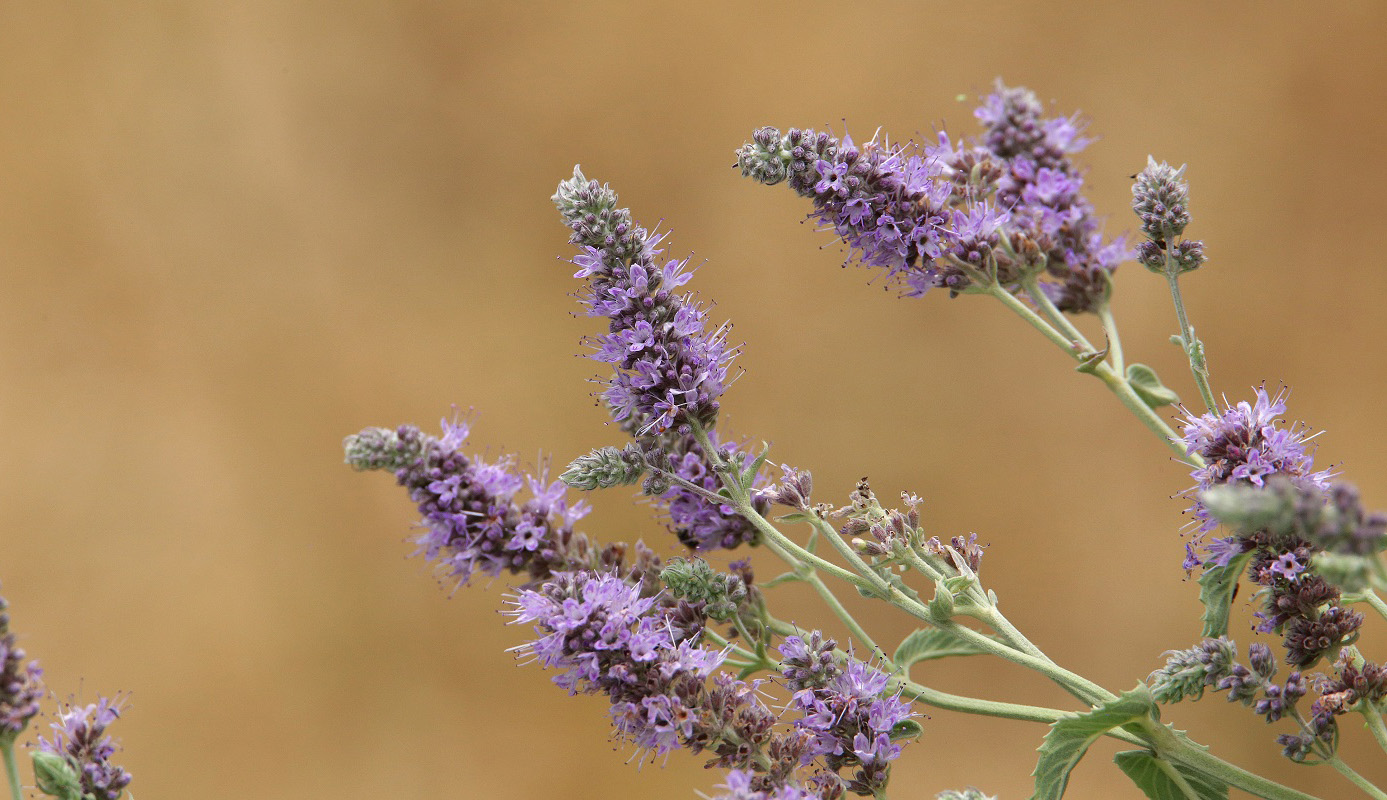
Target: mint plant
691,657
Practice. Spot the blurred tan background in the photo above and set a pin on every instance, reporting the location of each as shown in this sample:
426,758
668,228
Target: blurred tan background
231,234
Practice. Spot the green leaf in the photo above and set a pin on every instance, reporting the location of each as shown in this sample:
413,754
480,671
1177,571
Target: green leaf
784,577
930,643
1147,773
794,516
1149,388
1216,587
1069,738
906,729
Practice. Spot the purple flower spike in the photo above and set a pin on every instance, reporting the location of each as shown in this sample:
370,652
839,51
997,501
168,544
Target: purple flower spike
670,368
1246,445
80,740
606,637
911,210
21,685
473,521
844,711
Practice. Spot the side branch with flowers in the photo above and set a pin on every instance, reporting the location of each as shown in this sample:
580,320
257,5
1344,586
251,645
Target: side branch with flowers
677,646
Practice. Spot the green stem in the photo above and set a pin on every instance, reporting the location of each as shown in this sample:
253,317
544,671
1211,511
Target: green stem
1372,718
1074,346
1193,349
844,548
1177,778
1370,597
1357,780
1115,382
921,566
7,749
999,623
1168,746
1119,386
1077,685
853,626
797,556
1053,314
946,701
724,643
1114,340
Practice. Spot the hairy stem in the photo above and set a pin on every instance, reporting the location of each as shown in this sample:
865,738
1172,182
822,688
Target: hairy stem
1199,367
1357,780
1167,745
1114,340
1372,718
1078,349
1375,602
11,769
853,626
1052,313
1177,778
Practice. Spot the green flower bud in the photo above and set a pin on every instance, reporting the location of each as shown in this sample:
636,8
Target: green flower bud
1243,507
941,608
695,580
605,468
57,776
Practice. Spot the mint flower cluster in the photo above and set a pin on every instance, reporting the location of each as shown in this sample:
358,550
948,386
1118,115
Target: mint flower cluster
76,762
933,216
692,656
471,522
21,682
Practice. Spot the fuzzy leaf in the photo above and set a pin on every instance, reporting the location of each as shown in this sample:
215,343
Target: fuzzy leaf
1069,738
1146,772
931,643
748,477
1216,587
1149,387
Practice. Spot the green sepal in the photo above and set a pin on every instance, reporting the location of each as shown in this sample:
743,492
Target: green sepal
1151,778
906,729
1216,588
927,644
1090,362
960,583
1149,388
1071,735
748,476
57,776
941,607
